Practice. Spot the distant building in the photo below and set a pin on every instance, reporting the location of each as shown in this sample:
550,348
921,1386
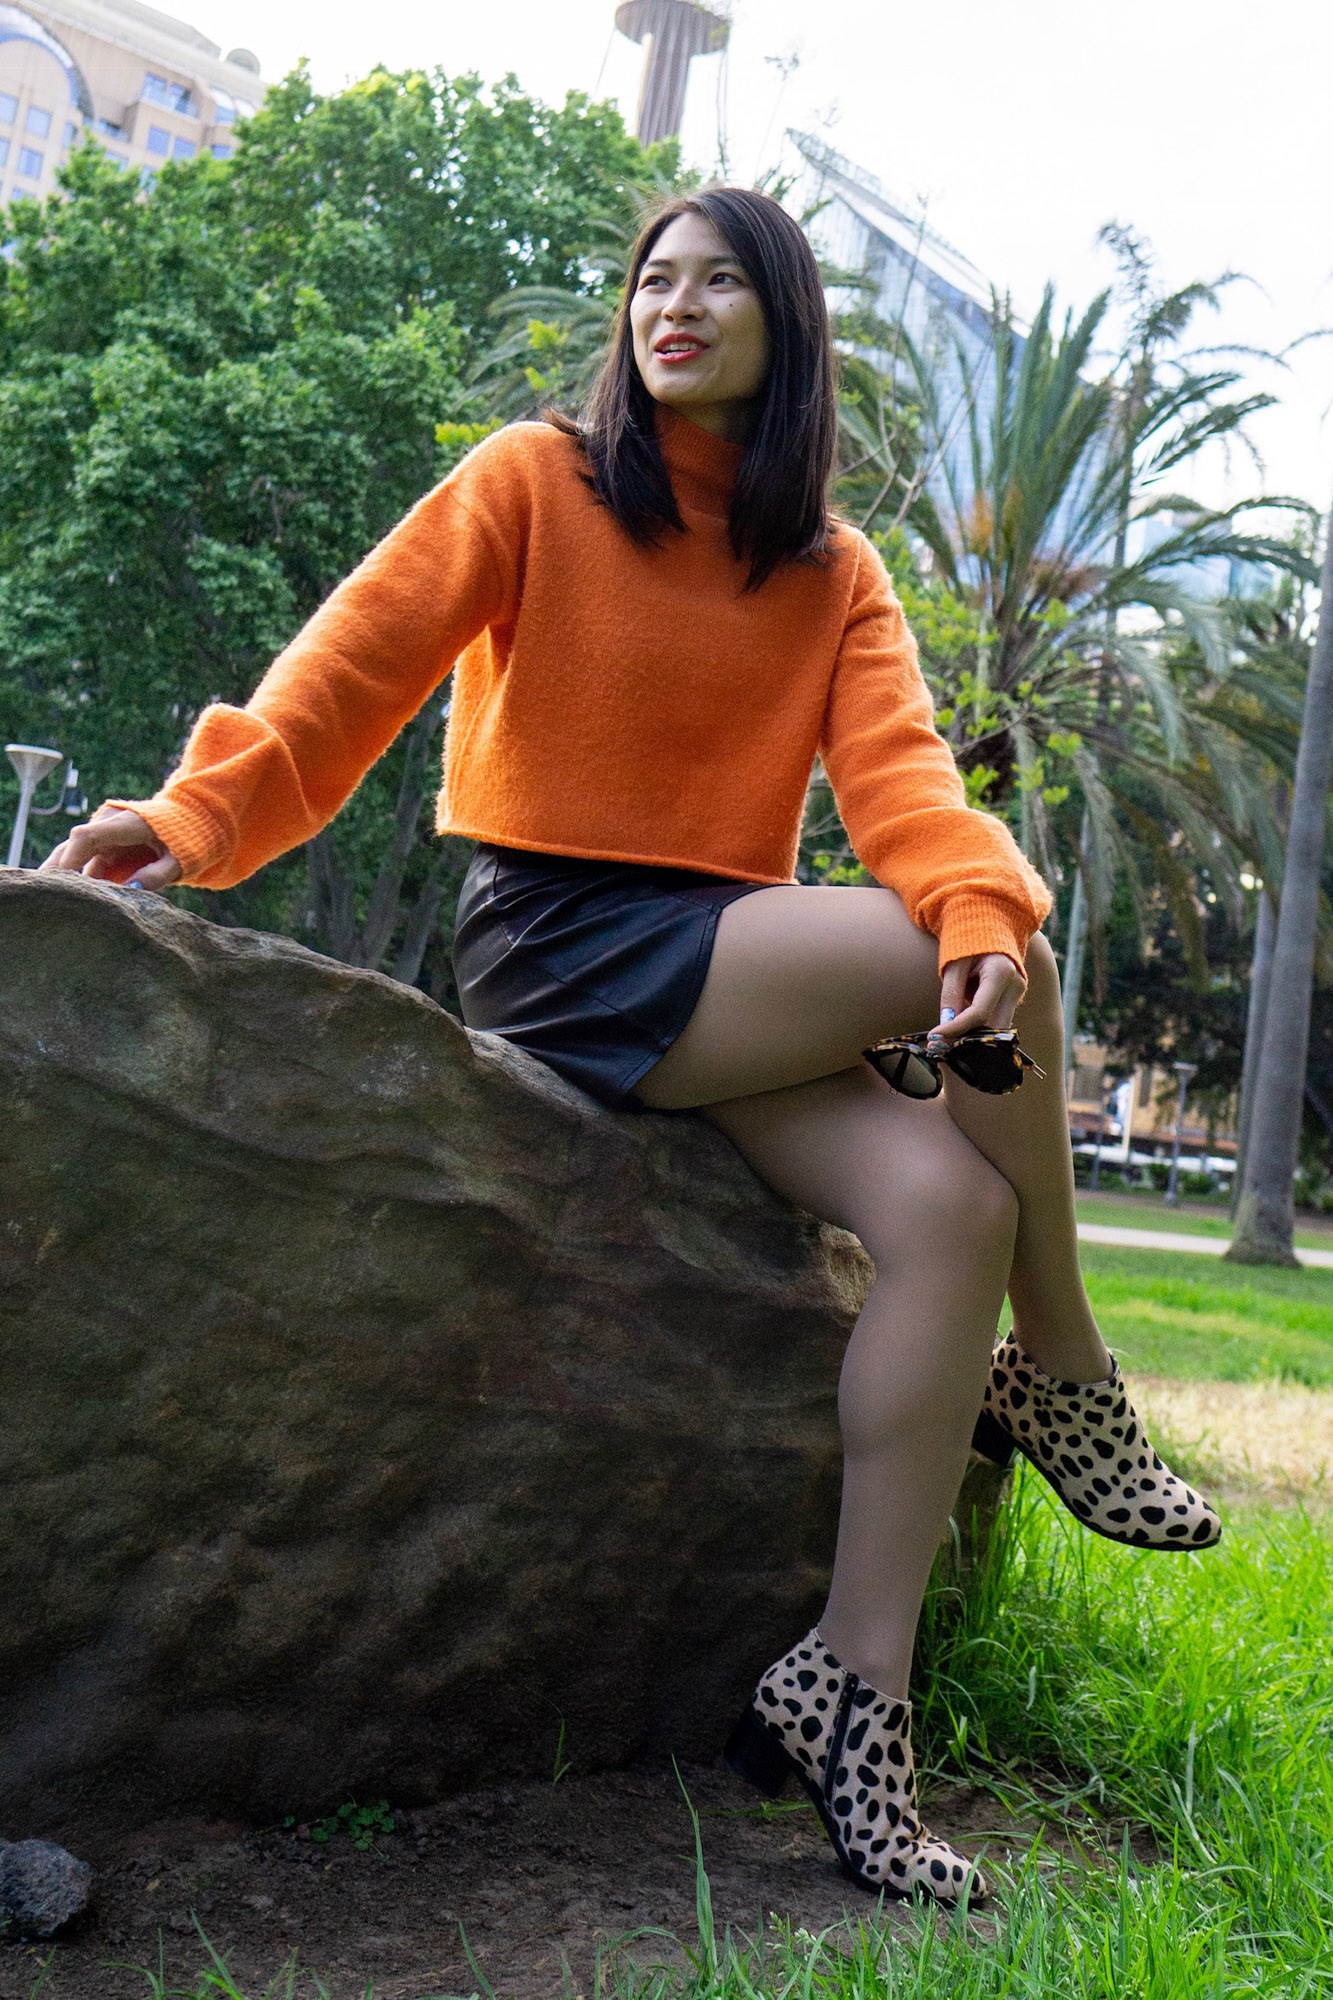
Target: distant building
150,88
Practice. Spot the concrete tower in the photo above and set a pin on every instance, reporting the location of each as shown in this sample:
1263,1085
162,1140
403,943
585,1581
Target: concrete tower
673,32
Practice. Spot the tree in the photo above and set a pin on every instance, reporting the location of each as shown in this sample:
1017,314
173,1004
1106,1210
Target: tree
1265,1217
217,394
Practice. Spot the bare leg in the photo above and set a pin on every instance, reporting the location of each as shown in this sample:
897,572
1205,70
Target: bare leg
801,980
939,1223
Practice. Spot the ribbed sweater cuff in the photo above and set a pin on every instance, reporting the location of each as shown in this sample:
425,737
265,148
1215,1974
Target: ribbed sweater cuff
976,924
191,835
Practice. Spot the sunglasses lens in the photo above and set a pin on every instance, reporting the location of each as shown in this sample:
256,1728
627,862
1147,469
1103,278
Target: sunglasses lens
918,1078
906,1069
996,1071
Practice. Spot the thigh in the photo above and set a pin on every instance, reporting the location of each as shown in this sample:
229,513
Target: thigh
898,1174
800,981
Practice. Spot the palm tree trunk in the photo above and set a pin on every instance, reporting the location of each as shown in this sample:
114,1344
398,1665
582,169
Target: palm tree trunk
1076,938
1265,1217
1261,972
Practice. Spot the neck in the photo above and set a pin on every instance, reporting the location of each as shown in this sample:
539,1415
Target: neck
733,421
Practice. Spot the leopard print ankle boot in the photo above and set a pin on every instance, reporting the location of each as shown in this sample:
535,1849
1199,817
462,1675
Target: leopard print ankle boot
850,1747
1085,1439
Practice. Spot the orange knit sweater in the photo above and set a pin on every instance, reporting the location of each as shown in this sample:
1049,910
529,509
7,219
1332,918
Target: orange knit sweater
611,701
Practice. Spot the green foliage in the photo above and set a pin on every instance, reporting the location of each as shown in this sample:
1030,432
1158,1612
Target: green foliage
216,395
362,1825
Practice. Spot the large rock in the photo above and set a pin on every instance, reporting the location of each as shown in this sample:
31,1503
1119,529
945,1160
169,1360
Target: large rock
374,1403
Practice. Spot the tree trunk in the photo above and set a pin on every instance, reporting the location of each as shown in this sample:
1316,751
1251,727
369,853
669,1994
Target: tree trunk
413,784
330,898
420,923
1261,970
1265,1217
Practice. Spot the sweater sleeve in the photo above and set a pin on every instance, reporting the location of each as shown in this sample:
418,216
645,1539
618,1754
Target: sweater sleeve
959,872
256,781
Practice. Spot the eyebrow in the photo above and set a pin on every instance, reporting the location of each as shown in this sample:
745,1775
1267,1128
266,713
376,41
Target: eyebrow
721,257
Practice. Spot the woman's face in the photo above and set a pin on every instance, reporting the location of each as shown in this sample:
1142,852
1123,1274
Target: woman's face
700,341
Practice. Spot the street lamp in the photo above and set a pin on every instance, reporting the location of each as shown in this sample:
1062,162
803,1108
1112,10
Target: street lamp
31,765
1184,1071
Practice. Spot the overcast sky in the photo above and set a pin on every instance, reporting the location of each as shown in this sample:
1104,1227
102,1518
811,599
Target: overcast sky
1023,126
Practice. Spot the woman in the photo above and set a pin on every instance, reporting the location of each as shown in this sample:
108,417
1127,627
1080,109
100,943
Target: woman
660,625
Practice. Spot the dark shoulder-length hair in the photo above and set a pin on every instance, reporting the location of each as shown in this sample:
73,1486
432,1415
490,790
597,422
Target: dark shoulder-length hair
779,512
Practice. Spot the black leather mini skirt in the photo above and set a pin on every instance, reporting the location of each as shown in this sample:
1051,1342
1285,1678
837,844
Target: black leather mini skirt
594,966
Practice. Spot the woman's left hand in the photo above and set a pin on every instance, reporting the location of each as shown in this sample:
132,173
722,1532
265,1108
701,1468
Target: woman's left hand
979,992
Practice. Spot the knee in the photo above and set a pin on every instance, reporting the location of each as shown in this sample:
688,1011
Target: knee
1042,998
954,1196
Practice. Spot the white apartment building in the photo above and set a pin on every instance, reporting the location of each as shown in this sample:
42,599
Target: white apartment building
150,88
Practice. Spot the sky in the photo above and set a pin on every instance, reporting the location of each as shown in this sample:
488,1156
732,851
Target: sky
1022,126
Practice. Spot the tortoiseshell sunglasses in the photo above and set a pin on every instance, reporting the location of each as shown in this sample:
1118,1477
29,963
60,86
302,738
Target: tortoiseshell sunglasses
987,1058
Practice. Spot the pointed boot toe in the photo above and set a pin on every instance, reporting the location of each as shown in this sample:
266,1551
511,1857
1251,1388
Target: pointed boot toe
1088,1443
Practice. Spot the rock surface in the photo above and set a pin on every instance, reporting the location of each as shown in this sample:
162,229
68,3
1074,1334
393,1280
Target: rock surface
375,1403
41,1887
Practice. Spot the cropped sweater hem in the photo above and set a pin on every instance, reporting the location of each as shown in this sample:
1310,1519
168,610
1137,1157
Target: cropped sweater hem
495,838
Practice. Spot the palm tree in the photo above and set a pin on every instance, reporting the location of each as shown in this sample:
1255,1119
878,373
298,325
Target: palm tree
1059,663
1265,1217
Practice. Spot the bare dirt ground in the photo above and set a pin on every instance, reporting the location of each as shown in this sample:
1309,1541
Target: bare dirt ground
537,1876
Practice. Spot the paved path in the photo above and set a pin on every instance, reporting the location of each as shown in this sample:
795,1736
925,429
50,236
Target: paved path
1169,1239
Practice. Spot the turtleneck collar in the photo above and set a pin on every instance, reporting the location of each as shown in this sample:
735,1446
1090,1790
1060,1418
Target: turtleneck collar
702,467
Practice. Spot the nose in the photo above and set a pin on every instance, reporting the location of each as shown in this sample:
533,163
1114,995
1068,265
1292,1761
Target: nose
683,303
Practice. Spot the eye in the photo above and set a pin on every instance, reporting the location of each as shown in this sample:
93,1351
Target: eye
651,278
726,278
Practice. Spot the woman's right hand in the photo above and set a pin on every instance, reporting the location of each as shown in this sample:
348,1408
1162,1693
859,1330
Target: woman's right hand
116,845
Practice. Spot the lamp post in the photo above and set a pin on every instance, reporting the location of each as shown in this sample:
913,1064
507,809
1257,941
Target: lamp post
31,765
1184,1071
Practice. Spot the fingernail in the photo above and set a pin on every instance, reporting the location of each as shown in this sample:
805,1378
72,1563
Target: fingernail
946,1013
135,884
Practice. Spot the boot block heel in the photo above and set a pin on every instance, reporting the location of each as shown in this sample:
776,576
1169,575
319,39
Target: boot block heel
755,1754
992,1440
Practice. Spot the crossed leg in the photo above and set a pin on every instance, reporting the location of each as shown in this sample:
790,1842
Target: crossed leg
801,980
954,1201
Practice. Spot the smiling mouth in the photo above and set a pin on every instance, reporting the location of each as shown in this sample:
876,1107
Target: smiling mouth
679,350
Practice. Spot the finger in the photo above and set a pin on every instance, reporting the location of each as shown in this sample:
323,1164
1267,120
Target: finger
56,858
998,992
158,875
953,1001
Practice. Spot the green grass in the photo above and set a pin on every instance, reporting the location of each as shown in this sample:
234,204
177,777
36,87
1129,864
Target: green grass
1094,1689
1172,1313
1149,1211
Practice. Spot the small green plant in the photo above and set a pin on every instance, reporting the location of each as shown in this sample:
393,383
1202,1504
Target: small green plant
561,1764
360,1824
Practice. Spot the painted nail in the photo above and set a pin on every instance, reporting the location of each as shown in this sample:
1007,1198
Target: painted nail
135,884
946,1013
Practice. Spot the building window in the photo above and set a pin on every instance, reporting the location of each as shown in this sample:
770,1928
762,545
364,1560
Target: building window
37,122
105,125
71,132
158,141
9,108
4,152
183,149
219,152
30,163
175,96
147,178
121,159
